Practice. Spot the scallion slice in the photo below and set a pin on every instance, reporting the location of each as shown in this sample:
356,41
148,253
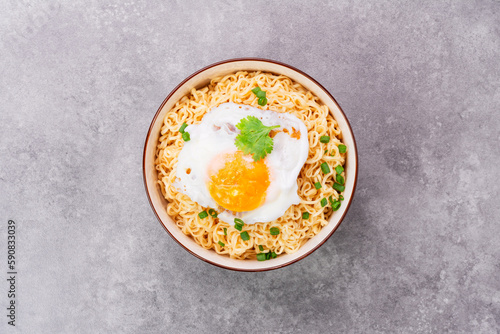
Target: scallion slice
203,215
340,179
274,231
334,203
238,224
221,243
256,90
305,215
342,148
183,126
261,257
339,169
225,231
324,202
338,187
266,256
324,139
317,185
244,236
259,92
262,101
261,95
212,213
261,248
186,136
325,168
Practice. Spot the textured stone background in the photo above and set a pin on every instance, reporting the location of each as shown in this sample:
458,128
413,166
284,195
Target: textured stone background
419,251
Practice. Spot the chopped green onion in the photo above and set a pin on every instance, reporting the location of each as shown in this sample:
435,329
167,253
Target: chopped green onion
324,202
339,169
261,257
259,92
317,185
256,90
325,168
326,151
338,187
186,136
244,236
261,248
183,126
341,197
305,215
238,224
342,148
203,215
221,243
334,203
340,179
261,95
262,101
225,231
212,213
324,139
266,256
274,231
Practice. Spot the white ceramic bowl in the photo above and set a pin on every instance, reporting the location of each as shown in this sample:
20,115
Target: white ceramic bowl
202,78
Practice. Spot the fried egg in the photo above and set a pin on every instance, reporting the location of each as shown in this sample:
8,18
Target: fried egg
214,173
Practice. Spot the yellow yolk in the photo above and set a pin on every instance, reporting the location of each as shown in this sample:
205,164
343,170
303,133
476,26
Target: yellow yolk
240,185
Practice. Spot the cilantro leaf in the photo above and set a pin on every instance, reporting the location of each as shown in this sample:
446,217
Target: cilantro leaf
254,137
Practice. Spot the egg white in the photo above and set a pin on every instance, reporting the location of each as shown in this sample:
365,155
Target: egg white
216,134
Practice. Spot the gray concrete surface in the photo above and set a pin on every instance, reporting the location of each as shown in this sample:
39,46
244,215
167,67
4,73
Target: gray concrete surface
419,251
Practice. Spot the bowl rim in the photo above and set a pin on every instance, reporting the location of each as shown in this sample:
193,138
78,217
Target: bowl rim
231,60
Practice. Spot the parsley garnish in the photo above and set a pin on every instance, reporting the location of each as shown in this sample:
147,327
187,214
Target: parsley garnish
254,137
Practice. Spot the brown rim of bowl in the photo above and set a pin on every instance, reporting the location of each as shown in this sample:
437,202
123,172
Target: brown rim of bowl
231,61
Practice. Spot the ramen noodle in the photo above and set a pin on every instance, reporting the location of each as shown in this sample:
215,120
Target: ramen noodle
315,187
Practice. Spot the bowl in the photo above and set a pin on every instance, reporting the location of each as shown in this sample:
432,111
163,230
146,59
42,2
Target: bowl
202,78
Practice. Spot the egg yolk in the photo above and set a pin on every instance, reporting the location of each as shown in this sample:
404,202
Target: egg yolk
241,184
